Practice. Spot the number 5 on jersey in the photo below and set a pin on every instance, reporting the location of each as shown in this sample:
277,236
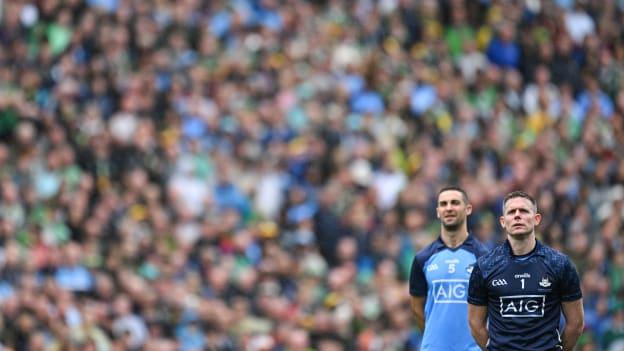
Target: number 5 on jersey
451,268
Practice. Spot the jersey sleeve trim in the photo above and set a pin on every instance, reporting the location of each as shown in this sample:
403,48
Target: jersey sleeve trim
476,302
573,297
477,287
418,281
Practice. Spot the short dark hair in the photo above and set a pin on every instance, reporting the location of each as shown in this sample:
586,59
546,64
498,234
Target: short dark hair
522,194
455,188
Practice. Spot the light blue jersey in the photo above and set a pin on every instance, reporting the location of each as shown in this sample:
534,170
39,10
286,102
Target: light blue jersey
442,274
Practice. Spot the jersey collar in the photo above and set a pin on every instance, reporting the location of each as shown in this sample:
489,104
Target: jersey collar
537,250
468,242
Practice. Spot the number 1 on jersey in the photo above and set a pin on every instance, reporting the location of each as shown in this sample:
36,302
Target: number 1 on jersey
522,282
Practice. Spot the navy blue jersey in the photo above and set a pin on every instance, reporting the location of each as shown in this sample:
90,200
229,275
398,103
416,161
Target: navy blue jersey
523,295
441,275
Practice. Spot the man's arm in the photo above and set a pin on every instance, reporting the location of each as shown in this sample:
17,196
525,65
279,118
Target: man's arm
477,319
418,308
574,316
418,291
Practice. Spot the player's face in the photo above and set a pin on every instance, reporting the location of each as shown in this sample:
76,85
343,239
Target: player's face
519,217
452,209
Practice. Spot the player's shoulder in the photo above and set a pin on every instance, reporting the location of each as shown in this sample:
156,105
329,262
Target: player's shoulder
553,257
498,251
430,250
493,258
475,246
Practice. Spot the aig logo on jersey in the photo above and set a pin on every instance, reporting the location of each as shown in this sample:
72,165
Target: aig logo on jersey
450,290
519,306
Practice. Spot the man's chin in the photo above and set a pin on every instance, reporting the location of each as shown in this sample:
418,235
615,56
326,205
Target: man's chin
451,227
520,234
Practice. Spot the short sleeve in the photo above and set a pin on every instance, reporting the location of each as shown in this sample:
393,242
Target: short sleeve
570,285
418,281
477,288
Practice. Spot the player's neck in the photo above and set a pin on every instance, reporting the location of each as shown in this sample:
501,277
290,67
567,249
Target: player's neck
522,245
454,239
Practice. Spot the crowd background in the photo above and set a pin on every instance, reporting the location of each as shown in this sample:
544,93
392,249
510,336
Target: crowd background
258,174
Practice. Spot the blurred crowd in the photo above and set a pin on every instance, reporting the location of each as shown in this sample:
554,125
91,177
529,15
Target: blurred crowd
258,174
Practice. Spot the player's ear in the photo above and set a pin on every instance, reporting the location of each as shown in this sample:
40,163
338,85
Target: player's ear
468,209
538,218
501,220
